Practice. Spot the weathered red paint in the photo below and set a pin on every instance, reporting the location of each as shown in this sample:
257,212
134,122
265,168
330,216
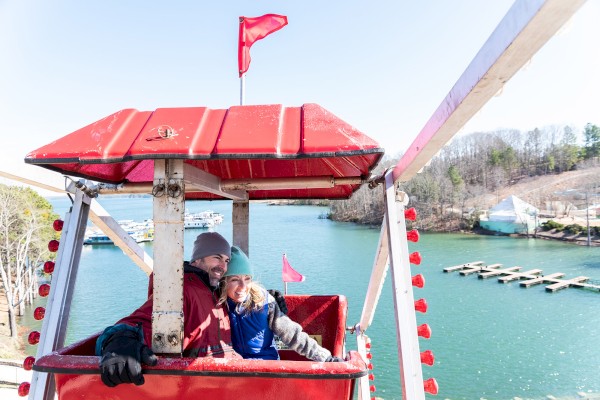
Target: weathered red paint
242,142
77,373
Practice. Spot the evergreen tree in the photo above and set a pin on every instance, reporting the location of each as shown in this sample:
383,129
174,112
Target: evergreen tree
592,141
568,150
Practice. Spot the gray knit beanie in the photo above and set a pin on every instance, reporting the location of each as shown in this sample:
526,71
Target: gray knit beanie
209,244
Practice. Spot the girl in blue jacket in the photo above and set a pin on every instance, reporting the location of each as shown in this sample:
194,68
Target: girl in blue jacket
255,317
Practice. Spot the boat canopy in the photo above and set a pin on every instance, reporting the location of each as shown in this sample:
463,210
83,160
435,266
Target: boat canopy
239,146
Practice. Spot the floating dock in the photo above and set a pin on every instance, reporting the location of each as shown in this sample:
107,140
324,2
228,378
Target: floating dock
527,279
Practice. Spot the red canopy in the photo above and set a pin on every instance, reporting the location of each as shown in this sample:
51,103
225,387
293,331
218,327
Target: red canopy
241,143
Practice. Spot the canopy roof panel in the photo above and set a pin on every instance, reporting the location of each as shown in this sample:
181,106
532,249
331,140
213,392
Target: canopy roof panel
240,143
512,206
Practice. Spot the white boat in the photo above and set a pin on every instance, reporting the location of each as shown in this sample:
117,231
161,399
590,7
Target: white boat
139,231
201,220
141,236
215,216
97,238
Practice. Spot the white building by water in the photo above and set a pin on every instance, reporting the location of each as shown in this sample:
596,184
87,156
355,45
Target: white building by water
511,215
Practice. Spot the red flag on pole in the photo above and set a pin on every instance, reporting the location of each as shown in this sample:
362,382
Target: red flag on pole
290,274
253,29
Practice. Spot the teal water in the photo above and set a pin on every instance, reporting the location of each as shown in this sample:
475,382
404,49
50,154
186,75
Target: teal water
490,340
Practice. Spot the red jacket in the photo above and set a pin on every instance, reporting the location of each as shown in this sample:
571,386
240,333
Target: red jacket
206,325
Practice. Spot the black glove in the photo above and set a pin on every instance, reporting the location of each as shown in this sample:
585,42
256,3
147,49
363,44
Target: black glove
334,359
122,356
279,299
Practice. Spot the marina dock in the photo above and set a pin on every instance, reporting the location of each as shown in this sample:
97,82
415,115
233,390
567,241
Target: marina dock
554,281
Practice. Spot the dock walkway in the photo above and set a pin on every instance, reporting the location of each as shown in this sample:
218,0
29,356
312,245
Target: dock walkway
463,266
531,274
527,279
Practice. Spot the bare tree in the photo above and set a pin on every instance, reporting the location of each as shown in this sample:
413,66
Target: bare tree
25,230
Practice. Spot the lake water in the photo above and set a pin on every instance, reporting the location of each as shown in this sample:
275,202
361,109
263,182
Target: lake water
490,340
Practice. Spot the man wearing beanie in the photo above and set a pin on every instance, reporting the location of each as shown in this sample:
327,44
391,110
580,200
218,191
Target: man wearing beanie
125,346
215,249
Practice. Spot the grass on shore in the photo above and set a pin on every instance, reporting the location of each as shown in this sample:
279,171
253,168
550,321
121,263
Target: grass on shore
12,349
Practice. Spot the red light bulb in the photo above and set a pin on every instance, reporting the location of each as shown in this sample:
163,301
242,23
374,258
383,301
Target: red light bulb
424,331
370,366
28,363
33,338
368,345
58,225
39,313
412,236
421,306
44,290
49,267
371,377
418,281
23,389
415,258
431,386
410,214
427,357
369,356
372,388
53,246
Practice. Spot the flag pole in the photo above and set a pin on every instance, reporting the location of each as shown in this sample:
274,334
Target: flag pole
241,63
242,89
284,282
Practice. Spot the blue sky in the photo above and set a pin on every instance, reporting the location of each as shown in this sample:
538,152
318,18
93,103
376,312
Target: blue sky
382,66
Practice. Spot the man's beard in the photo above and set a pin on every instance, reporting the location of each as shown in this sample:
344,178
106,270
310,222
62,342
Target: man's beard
214,281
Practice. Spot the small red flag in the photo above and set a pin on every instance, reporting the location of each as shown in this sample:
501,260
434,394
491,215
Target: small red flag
290,274
253,29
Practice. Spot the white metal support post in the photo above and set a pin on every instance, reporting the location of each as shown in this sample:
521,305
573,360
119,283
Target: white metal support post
378,274
240,216
168,210
364,392
54,325
409,356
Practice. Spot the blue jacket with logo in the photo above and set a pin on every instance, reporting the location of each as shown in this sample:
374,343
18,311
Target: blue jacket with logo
252,333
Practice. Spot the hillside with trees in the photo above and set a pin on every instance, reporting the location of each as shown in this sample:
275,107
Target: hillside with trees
476,171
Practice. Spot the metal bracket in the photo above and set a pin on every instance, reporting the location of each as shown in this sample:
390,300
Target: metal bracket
401,196
175,188
355,329
87,187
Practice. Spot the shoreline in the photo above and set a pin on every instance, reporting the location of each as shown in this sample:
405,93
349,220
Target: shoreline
578,239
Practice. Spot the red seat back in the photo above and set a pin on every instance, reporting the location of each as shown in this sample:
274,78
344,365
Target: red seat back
323,317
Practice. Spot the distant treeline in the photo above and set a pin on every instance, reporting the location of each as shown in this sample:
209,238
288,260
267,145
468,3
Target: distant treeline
445,194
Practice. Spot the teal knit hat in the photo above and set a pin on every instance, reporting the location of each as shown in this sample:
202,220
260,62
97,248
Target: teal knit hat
239,264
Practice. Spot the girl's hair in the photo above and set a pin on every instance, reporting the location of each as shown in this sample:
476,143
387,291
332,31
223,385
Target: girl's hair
255,299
